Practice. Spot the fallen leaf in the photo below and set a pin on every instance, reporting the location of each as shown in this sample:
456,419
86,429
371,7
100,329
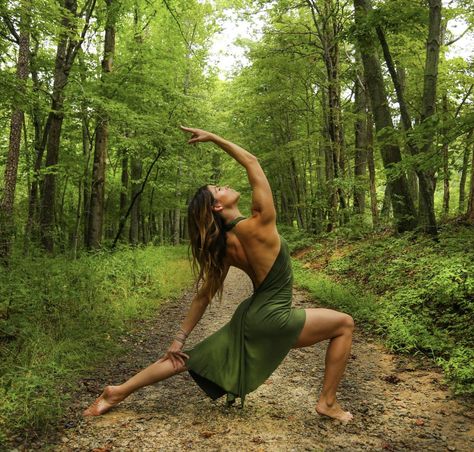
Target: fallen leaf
420,422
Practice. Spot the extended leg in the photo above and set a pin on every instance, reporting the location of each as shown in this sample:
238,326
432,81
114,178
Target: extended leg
112,395
322,324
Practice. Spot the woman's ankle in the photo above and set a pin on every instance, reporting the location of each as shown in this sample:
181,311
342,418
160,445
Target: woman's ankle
327,399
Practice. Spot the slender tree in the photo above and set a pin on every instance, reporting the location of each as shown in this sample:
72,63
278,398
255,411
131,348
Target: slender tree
7,224
96,207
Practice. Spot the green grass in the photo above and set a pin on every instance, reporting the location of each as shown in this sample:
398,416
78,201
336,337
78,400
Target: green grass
59,317
416,293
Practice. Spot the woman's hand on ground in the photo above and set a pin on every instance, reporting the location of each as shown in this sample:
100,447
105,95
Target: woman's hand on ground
198,135
175,354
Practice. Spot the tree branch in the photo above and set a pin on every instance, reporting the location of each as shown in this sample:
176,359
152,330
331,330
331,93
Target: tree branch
458,38
11,27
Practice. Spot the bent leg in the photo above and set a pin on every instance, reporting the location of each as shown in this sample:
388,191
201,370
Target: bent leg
322,324
112,395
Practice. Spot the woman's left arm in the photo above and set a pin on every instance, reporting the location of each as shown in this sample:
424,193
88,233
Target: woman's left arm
262,198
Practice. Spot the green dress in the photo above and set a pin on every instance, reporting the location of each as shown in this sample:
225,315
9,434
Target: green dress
240,356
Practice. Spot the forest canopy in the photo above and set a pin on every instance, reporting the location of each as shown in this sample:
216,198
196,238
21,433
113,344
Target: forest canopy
358,112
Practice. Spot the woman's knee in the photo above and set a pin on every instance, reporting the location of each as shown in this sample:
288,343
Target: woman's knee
348,322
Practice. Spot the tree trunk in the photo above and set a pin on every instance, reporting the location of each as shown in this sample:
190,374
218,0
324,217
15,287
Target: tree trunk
7,223
96,209
296,191
464,169
387,202
360,163
325,17
371,165
445,155
402,203
426,177
124,189
177,209
31,228
331,190
427,180
470,202
161,227
136,174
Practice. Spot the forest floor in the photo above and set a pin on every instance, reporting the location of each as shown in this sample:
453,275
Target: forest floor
399,403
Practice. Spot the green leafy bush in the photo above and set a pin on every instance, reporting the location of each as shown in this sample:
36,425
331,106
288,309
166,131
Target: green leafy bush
58,317
424,293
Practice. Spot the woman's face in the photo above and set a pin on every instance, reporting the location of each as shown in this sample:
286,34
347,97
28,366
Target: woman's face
224,196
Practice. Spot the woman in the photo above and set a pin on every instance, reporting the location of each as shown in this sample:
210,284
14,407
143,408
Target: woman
241,355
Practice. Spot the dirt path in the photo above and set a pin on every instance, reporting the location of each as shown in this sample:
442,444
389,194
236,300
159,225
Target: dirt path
399,403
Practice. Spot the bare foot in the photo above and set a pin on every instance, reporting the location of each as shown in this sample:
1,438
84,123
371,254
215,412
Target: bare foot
109,398
334,411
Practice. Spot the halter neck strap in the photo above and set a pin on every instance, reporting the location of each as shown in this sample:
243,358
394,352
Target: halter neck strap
231,224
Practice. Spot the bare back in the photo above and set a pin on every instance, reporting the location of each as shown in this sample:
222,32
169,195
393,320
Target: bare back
253,247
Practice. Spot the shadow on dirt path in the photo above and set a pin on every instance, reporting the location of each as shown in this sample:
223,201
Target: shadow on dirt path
399,403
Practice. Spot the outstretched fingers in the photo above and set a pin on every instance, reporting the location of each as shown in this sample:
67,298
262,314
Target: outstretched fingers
195,134
198,135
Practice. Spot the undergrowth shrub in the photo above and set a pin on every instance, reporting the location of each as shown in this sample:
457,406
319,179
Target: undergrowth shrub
59,317
415,292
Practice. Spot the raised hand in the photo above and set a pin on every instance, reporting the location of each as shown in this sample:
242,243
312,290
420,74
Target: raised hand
198,135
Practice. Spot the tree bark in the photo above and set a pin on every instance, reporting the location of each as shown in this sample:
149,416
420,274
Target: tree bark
124,187
445,152
177,209
7,223
426,178
331,190
40,137
327,27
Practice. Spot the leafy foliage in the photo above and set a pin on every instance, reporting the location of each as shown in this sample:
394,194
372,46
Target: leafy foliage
417,293
60,317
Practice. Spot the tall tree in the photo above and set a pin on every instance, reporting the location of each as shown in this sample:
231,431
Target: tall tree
427,177
360,132
7,224
96,207
68,46
402,202
327,20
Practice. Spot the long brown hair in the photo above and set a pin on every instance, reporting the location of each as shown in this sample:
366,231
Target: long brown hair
208,241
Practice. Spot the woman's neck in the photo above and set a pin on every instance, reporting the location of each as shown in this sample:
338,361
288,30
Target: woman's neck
230,214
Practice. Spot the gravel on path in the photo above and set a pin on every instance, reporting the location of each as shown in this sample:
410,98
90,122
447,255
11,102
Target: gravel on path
399,403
